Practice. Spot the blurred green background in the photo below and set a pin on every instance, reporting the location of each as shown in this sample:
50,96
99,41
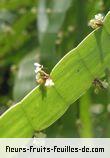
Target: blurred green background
44,31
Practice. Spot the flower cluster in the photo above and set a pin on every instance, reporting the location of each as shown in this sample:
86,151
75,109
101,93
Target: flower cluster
97,21
41,76
99,84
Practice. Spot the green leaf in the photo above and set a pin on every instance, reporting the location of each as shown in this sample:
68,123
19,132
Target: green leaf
72,76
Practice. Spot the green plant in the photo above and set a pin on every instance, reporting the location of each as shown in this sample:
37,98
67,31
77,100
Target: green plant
73,76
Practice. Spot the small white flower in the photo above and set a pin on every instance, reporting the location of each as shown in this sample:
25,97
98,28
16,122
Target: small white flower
49,82
99,17
38,67
97,21
41,76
